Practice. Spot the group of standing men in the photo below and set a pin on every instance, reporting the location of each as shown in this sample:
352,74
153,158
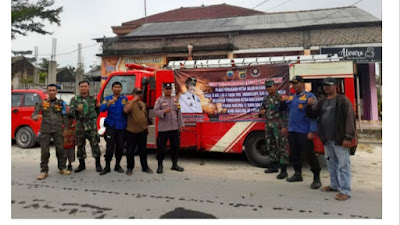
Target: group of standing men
296,119
126,120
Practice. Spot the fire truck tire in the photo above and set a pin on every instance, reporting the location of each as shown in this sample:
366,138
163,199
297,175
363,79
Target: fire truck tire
255,149
25,138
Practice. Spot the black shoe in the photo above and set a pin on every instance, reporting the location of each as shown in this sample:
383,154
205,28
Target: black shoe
69,167
105,170
81,166
316,184
282,175
160,169
295,178
177,168
128,172
271,170
148,170
118,169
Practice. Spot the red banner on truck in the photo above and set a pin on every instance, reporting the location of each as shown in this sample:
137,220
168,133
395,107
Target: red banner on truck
228,93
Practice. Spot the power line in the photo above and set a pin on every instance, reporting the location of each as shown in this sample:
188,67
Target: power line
260,4
335,12
278,5
68,53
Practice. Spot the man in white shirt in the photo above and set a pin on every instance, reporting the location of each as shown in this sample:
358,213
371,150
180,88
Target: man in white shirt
189,101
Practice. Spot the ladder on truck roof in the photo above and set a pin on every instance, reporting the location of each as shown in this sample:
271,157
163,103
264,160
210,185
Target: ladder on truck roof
215,63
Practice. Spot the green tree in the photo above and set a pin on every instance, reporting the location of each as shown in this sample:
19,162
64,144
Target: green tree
24,16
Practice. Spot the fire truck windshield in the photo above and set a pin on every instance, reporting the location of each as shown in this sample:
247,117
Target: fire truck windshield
128,84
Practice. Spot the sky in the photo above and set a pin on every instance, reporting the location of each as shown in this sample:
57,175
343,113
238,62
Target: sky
84,20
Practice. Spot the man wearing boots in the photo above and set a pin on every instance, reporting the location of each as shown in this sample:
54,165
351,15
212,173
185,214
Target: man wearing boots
170,124
115,124
54,116
84,109
302,131
276,141
337,127
136,132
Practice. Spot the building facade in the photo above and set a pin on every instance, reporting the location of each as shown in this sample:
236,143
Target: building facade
349,30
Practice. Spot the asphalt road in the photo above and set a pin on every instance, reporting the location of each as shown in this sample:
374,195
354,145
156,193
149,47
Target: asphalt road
212,186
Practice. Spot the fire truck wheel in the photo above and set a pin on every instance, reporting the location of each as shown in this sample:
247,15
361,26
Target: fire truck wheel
25,138
256,149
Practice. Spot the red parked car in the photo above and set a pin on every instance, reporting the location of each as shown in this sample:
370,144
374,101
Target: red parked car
24,130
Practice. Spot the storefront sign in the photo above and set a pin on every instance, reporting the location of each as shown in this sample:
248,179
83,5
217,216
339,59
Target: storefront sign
359,54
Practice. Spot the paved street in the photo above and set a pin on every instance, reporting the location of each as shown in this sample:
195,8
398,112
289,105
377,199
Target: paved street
212,186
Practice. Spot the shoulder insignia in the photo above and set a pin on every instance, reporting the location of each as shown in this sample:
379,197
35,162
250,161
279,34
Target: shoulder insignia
304,97
291,97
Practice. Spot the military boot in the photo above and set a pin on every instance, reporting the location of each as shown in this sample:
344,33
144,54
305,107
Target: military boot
160,167
316,182
106,169
64,172
176,167
42,176
98,164
283,174
295,178
273,168
81,166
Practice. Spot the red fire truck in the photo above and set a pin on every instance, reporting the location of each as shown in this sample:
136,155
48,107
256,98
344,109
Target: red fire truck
230,93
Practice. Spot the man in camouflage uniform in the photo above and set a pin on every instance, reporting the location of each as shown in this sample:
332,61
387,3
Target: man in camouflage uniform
54,116
276,141
84,108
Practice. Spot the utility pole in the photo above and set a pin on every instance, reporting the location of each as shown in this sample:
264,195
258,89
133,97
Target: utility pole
36,70
79,70
52,72
145,11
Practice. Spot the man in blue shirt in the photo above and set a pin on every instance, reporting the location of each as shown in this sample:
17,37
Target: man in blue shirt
115,124
302,131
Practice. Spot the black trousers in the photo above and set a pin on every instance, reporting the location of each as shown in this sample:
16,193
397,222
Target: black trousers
115,140
163,137
133,140
302,148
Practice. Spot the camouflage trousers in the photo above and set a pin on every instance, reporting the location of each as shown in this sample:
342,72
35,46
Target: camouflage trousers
45,150
276,145
93,137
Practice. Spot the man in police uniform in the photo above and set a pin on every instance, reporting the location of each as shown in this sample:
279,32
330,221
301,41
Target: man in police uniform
189,101
84,109
170,124
54,117
276,119
115,124
302,131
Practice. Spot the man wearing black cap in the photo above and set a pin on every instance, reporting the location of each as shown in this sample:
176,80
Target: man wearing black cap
170,124
276,141
336,129
136,132
302,130
190,102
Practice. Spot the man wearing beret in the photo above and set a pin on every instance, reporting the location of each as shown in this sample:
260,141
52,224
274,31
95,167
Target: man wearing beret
170,124
337,128
276,141
302,130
